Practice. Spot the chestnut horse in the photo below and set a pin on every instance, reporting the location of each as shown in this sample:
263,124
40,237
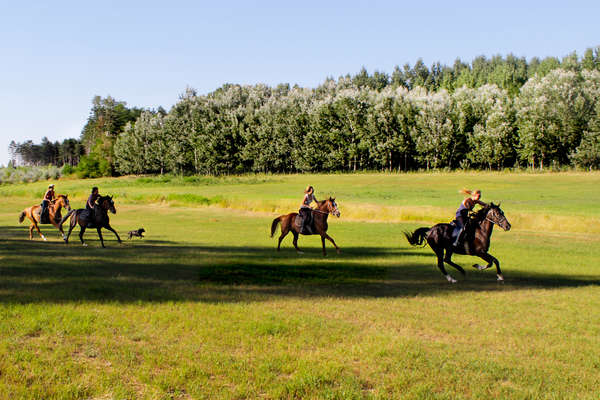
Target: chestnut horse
477,243
320,214
33,213
83,217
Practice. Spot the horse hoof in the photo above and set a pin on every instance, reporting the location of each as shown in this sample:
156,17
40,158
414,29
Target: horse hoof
479,267
450,279
338,251
500,278
299,252
84,245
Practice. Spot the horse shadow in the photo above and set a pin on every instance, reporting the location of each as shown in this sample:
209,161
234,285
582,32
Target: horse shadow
160,271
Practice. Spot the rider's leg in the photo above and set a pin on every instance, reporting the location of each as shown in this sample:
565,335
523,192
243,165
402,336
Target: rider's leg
461,220
44,208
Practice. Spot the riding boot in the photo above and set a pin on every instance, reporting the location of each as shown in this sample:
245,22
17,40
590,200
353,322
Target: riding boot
44,209
459,238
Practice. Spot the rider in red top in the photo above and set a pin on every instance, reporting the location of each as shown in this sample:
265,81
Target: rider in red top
48,197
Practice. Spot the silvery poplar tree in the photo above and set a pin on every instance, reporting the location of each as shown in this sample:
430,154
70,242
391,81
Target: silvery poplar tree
434,130
142,147
388,129
552,112
486,118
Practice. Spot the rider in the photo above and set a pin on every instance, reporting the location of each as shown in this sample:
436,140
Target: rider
91,201
48,197
305,209
462,214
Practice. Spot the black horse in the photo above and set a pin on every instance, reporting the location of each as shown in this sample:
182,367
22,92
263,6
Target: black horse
85,219
477,241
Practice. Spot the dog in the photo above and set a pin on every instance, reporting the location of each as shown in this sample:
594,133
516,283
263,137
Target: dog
138,233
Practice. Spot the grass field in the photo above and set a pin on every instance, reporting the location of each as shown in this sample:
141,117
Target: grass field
204,307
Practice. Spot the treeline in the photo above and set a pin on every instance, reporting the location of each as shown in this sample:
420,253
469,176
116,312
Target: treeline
67,152
492,113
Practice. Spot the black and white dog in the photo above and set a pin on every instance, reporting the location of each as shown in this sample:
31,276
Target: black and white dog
138,233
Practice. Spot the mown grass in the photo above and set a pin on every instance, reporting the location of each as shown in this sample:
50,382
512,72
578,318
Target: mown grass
204,307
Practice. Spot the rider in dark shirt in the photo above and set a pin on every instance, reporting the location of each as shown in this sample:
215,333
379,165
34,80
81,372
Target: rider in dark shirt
91,202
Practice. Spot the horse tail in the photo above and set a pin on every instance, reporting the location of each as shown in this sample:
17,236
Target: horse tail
417,237
22,216
62,221
276,222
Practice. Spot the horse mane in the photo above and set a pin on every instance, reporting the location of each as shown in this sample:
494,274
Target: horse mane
481,213
321,202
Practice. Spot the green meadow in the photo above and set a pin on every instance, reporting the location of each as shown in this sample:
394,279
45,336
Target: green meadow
205,307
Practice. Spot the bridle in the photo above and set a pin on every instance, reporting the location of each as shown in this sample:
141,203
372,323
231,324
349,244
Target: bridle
323,212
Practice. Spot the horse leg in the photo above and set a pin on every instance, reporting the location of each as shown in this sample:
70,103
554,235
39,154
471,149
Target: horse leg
295,242
337,249
490,260
59,227
323,243
440,256
81,232
113,231
71,226
448,259
100,235
31,232
40,232
284,233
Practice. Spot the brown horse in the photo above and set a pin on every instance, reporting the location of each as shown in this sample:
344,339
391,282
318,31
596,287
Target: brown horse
33,213
320,214
477,243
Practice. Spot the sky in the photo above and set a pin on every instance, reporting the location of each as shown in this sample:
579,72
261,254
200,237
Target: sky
56,56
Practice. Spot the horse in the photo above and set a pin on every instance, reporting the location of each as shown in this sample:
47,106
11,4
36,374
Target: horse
82,217
34,214
320,214
477,243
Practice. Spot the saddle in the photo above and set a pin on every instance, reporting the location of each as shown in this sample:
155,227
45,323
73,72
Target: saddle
87,214
309,226
45,218
467,236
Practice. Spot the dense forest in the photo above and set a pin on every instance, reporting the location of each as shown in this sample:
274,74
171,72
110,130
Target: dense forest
492,113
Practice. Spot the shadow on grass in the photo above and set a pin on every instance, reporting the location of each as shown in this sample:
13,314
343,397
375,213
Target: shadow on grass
146,270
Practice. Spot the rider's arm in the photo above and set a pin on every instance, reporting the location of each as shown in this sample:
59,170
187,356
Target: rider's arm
481,203
303,201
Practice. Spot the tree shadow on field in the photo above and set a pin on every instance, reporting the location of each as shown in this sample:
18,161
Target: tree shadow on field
152,270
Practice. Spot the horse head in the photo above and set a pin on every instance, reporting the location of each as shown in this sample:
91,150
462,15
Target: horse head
332,207
63,200
495,215
107,203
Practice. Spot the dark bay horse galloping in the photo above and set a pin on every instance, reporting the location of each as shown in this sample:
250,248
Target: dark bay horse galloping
54,215
84,218
320,214
439,237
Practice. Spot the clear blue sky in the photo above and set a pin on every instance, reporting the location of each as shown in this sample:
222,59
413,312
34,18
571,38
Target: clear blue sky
55,56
